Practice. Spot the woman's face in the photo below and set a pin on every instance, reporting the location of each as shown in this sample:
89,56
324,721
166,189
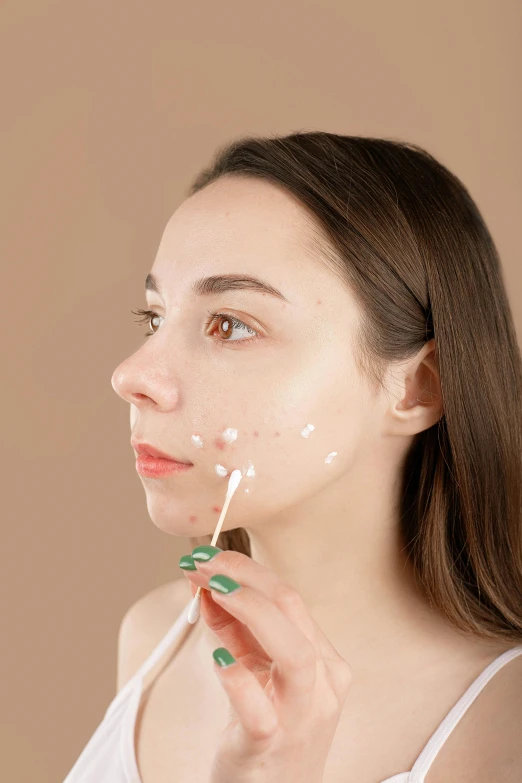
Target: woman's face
285,363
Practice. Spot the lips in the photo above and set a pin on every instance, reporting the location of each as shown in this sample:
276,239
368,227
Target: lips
147,449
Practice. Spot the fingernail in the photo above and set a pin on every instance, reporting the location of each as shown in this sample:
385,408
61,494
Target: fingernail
223,584
205,553
223,657
187,563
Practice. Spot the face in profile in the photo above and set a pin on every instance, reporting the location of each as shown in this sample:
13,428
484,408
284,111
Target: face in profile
234,375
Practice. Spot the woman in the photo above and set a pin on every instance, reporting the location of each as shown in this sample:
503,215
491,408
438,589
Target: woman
327,313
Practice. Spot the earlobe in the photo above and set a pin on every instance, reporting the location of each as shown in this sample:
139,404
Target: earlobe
413,415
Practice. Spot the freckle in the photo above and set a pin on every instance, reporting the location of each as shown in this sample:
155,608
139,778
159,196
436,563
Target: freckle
193,518
256,434
218,443
278,434
216,509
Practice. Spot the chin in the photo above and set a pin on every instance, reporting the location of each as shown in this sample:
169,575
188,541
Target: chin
175,526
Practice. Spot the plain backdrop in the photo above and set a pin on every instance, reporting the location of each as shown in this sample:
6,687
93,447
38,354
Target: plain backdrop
108,110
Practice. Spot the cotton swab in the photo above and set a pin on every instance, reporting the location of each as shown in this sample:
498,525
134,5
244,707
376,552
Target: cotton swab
233,483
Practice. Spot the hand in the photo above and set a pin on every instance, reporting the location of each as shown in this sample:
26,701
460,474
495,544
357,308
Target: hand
288,684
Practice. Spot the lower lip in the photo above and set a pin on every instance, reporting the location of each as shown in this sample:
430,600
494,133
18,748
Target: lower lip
153,467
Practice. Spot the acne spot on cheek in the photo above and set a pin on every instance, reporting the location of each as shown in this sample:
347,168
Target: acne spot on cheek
216,509
318,301
192,518
219,444
278,434
256,434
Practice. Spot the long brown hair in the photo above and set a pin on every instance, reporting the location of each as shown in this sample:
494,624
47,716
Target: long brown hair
405,235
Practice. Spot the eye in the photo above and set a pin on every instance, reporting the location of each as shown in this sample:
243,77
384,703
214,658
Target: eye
226,326
147,316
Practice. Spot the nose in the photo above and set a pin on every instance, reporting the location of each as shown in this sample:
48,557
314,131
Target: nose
145,384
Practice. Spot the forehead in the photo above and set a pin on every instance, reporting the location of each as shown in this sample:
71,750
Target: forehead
248,226
234,220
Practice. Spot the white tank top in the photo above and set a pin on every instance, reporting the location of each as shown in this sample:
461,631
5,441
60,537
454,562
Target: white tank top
109,756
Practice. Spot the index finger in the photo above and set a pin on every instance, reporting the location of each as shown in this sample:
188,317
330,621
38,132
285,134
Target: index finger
248,572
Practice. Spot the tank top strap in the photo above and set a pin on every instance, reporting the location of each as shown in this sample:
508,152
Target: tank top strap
164,643
441,734
158,651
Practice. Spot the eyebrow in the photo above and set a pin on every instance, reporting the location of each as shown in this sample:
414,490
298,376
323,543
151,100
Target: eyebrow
218,284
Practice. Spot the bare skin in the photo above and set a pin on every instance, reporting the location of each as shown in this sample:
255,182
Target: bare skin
385,724
329,529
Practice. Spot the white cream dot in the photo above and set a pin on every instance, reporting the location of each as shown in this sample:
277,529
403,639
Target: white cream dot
197,441
305,432
229,435
220,470
331,456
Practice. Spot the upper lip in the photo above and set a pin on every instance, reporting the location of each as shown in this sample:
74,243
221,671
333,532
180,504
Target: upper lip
146,448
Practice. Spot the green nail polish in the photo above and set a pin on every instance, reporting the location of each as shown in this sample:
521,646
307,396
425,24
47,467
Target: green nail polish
223,584
205,553
223,657
187,563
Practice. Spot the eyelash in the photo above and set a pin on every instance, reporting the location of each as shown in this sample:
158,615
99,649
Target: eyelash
147,315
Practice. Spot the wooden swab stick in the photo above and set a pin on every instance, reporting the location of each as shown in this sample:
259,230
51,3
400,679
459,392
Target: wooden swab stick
233,484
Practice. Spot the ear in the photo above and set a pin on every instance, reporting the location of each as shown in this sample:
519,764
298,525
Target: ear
420,404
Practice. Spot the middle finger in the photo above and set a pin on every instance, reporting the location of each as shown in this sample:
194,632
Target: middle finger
288,647
249,572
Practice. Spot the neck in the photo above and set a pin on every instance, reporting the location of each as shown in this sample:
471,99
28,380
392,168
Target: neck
344,555
342,551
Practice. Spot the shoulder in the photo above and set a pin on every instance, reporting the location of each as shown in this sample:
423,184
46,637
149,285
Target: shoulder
145,622
504,727
486,743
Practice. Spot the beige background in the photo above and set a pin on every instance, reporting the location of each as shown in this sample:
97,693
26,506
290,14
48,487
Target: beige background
108,110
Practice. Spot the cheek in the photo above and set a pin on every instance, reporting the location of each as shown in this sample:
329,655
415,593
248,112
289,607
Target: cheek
287,468
277,458
287,439
310,440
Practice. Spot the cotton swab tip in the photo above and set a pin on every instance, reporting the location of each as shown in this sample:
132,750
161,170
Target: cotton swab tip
193,612
233,482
